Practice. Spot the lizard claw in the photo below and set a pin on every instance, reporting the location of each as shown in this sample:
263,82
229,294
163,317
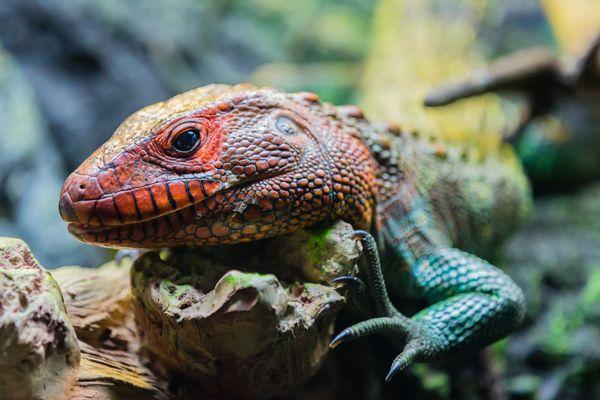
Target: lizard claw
410,335
360,235
357,292
349,280
340,338
410,353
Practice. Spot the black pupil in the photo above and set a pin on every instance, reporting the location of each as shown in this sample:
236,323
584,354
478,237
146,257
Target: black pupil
186,141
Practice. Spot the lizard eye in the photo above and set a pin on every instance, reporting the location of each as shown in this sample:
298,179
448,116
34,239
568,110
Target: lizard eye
287,126
186,142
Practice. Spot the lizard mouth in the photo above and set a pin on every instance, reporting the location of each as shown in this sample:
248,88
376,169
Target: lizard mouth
228,215
153,232
85,203
154,223
131,218
186,227
183,213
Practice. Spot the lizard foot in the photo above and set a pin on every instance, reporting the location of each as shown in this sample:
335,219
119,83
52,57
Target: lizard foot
412,336
473,305
418,346
375,286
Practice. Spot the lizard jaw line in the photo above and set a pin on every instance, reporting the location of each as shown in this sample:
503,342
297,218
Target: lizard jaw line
106,212
109,235
104,236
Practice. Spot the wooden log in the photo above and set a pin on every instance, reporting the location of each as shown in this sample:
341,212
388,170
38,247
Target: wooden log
244,321
39,354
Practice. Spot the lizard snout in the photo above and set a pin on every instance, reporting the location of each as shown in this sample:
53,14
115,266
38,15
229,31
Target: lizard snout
66,209
77,193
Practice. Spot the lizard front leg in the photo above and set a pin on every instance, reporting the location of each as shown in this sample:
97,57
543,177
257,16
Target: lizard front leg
473,304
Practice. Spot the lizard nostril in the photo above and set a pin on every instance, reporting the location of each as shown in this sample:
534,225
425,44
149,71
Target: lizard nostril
82,188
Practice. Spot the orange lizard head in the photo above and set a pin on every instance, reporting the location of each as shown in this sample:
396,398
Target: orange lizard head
220,164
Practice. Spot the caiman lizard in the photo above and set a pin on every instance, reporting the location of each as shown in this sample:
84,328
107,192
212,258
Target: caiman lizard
226,164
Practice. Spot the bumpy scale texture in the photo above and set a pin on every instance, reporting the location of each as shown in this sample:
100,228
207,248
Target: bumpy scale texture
268,162
246,181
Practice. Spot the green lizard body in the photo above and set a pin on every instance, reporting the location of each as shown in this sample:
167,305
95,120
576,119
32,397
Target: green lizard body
226,164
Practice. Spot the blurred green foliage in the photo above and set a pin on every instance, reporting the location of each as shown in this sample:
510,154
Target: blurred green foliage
556,259
304,33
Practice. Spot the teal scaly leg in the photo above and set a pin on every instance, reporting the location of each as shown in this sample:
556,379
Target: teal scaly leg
473,304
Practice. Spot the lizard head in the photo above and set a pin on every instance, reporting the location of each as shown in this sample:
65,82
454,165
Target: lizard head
220,164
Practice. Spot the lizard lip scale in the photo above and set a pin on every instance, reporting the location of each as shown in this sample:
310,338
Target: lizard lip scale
143,233
128,218
91,210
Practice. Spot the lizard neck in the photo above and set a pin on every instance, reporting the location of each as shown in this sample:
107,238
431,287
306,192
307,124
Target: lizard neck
365,167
